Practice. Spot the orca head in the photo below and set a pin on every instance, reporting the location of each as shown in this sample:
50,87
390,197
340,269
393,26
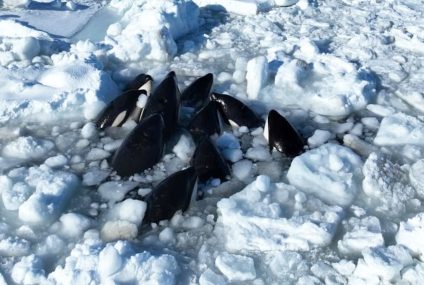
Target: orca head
196,94
208,162
119,110
166,101
206,121
142,148
140,82
236,112
172,194
283,136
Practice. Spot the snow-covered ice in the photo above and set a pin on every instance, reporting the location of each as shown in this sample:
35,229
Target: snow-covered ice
330,172
266,217
346,74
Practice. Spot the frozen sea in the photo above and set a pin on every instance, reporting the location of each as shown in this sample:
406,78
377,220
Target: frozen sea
347,74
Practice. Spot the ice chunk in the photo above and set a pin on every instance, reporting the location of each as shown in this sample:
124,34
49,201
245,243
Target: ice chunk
328,85
241,7
27,148
97,154
14,246
410,235
184,148
73,225
257,76
258,153
109,261
414,275
209,277
330,172
319,138
129,210
89,131
94,262
261,217
51,193
56,161
242,169
416,175
399,129
150,32
119,230
360,234
94,176
383,262
387,186
236,267
115,191
29,271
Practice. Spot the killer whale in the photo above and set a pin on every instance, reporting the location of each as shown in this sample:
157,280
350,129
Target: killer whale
283,136
172,194
142,148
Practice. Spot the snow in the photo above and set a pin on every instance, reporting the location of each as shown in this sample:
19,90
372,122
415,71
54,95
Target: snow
92,261
256,76
361,234
409,233
346,74
236,267
41,197
211,278
386,185
330,172
399,129
253,219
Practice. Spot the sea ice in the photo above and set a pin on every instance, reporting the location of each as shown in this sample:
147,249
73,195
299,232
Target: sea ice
400,129
360,234
94,262
410,235
38,193
330,172
416,175
150,32
236,267
328,86
266,216
27,148
384,263
257,76
386,185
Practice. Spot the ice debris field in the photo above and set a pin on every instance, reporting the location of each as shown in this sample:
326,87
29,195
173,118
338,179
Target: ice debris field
348,75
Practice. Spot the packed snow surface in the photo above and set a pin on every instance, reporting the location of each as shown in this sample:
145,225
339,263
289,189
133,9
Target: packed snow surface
348,75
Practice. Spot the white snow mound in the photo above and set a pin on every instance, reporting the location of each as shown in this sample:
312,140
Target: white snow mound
330,172
38,193
148,29
386,185
400,129
93,262
265,216
410,235
327,85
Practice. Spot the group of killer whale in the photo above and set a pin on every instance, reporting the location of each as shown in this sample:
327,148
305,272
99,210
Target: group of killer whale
157,114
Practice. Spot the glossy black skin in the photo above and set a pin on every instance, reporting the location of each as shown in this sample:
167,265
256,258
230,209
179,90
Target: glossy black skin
208,162
138,81
197,93
125,102
165,100
172,194
283,136
237,111
142,148
206,121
